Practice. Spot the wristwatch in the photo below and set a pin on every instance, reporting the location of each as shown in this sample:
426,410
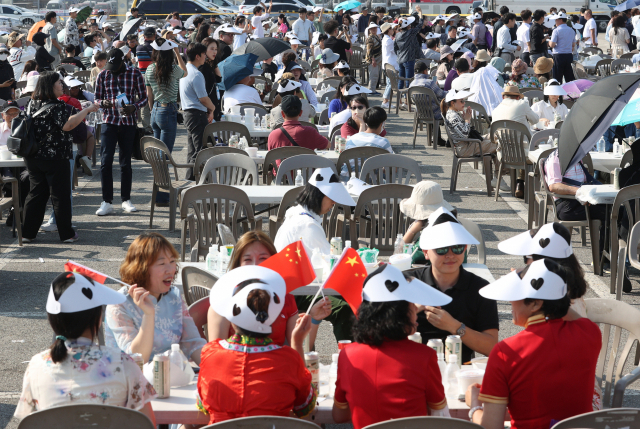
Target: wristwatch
461,330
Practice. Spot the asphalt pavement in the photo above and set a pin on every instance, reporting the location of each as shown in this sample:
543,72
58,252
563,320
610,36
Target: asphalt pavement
26,272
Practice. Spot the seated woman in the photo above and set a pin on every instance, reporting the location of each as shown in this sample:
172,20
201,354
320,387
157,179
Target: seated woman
547,345
253,248
446,63
379,377
298,75
304,220
552,104
154,315
76,370
342,69
340,101
472,317
290,87
358,104
349,91
520,78
247,374
328,61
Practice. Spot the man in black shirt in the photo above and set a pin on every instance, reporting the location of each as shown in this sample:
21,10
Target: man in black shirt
334,42
7,78
503,11
537,39
583,20
70,50
226,33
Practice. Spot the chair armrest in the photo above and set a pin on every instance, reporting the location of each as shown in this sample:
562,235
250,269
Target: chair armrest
621,385
191,165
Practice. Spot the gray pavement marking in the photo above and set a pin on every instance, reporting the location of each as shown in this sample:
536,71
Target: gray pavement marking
41,314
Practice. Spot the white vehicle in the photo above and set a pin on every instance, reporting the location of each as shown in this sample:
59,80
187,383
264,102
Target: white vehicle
444,7
282,6
23,16
8,22
57,6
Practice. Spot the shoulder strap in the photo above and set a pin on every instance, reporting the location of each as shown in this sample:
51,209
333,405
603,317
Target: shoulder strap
39,111
288,136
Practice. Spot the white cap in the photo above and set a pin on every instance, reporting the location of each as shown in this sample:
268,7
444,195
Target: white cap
439,18
81,295
477,15
317,9
354,89
329,184
388,284
405,22
536,281
125,49
554,90
341,65
228,28
560,15
163,44
229,297
457,95
297,66
372,25
73,9
552,240
443,230
294,41
287,85
72,82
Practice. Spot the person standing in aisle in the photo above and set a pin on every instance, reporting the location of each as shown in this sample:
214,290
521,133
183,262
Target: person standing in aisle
373,56
504,42
143,53
408,49
537,38
523,35
51,43
196,104
303,28
260,15
479,32
72,36
562,42
117,87
590,32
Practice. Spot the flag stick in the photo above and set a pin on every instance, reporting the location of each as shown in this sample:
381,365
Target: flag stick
326,280
314,298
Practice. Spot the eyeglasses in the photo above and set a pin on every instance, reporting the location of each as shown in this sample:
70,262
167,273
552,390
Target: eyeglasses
357,107
457,250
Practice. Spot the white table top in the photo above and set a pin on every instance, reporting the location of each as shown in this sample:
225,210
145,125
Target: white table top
13,162
259,194
605,161
263,132
329,154
597,194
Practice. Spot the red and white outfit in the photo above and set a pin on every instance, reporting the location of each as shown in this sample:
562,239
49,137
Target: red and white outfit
279,327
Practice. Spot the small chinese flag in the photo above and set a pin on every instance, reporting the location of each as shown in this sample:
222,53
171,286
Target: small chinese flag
74,267
293,264
347,278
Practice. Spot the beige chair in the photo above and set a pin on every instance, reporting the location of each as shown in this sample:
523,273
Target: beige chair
357,64
288,200
259,109
353,159
223,130
603,67
424,99
196,283
474,230
83,75
270,164
264,422
307,163
230,169
324,117
621,317
69,68
480,120
393,76
204,206
209,152
537,196
457,161
198,312
379,217
617,418
156,153
534,93
620,64
510,137
390,168
13,201
424,423
627,159
86,416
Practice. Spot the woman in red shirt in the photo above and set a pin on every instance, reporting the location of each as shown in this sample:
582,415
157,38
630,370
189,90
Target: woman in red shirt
253,248
358,105
543,374
248,374
384,375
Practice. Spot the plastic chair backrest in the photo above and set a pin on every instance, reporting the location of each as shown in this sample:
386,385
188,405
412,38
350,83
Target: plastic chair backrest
260,110
224,130
592,50
390,168
511,135
324,117
479,117
424,99
288,200
307,163
328,96
627,159
617,418
475,230
279,154
603,67
155,153
391,74
425,422
230,169
534,93
619,64
623,317
264,422
83,75
86,416
196,283
198,311
541,137
204,155
353,159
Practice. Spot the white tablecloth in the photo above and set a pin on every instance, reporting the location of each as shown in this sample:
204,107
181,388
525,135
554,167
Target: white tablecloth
13,162
263,132
596,194
605,161
329,154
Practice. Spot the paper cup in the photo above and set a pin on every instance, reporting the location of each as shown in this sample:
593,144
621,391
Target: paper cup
235,110
479,363
370,267
401,261
252,151
5,154
468,377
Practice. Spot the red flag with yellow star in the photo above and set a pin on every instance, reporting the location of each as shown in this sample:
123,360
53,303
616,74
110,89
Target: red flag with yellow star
293,264
74,267
347,278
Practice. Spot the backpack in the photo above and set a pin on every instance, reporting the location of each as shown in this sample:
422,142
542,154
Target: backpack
488,38
22,141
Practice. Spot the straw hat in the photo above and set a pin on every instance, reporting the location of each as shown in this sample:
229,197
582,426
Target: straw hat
426,198
511,90
13,38
385,27
543,65
483,56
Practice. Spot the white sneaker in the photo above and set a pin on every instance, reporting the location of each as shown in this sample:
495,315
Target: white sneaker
105,209
49,227
385,105
128,207
403,106
503,185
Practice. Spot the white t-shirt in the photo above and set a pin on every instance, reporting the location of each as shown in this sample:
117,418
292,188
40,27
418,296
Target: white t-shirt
586,33
240,93
256,23
301,29
239,39
299,222
523,36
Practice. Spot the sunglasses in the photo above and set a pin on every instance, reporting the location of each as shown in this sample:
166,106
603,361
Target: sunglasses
357,107
457,250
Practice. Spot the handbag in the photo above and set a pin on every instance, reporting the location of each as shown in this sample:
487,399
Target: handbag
22,141
475,134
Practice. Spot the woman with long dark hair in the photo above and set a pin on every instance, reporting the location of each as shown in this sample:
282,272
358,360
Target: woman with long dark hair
75,369
49,171
619,36
204,31
212,75
161,79
283,25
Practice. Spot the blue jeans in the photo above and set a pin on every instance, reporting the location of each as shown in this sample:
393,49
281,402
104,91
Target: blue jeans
164,122
406,71
72,161
387,90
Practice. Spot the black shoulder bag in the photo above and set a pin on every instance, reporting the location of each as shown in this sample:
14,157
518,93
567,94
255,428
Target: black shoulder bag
22,141
288,136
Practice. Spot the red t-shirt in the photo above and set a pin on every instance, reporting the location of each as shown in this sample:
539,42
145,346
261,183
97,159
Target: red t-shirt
253,380
347,130
398,379
279,327
305,137
545,372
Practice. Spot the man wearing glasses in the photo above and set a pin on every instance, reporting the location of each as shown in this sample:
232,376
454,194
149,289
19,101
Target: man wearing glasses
474,318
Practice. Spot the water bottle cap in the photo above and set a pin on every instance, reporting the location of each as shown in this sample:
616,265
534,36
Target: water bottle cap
300,172
175,347
441,356
452,359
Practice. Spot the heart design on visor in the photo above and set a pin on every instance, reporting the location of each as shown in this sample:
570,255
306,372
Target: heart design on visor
391,285
544,242
334,178
87,292
537,283
319,178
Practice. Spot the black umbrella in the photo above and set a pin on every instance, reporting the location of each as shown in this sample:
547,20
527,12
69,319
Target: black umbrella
489,14
592,114
129,27
264,48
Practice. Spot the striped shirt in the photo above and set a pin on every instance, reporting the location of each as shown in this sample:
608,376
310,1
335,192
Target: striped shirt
109,86
143,53
164,93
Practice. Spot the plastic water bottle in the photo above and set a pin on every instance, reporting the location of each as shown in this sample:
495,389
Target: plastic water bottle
450,375
333,374
176,356
550,141
263,123
616,147
212,259
601,145
442,365
398,246
299,179
257,121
